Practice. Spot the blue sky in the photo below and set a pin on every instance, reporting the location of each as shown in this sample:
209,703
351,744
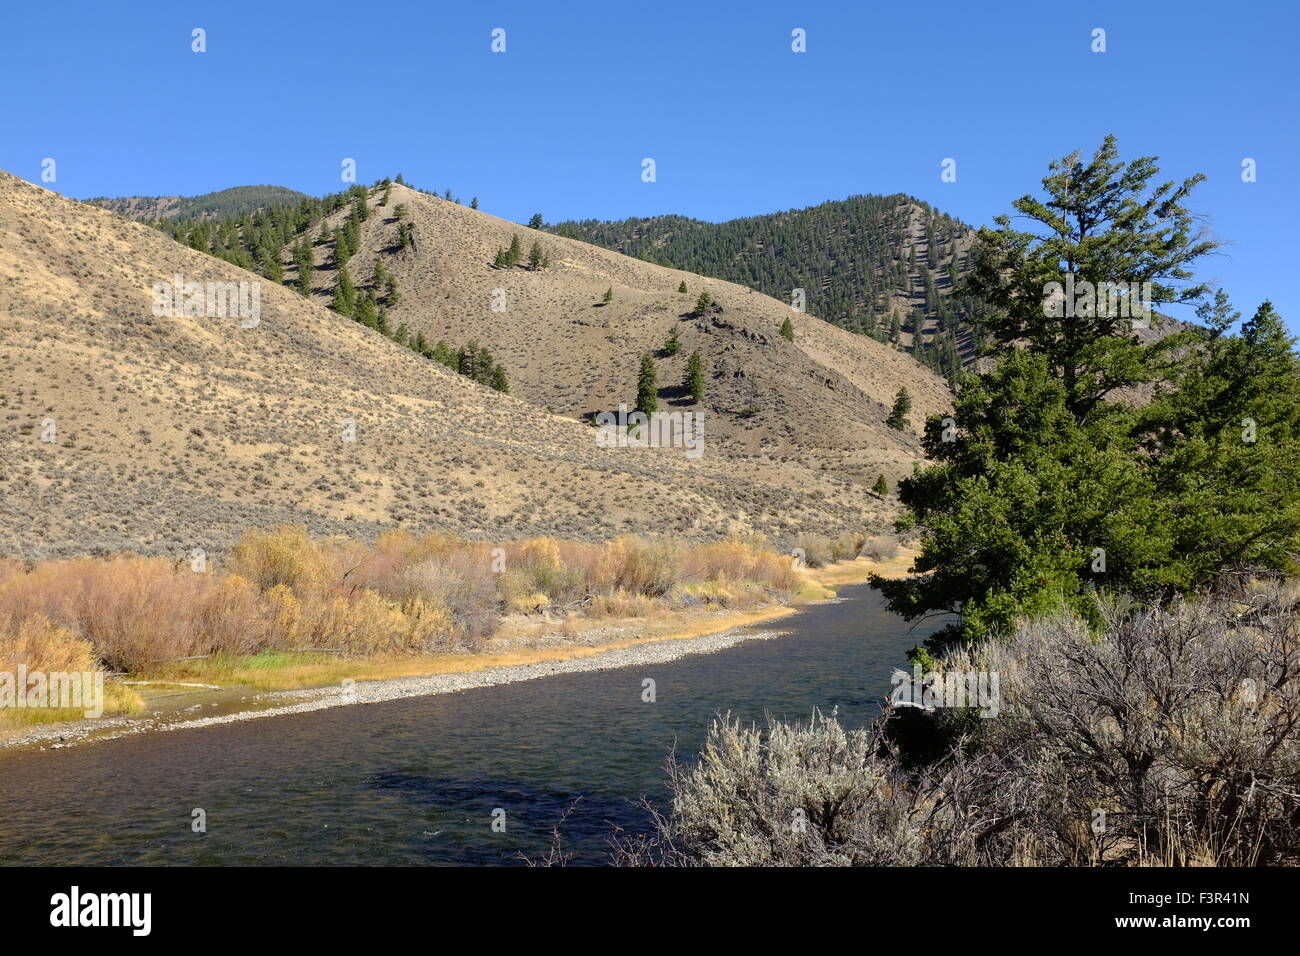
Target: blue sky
736,122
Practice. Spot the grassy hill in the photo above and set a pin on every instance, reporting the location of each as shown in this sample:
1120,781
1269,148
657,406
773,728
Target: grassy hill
120,429
813,406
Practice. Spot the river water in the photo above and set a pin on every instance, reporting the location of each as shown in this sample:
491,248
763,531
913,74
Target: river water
419,781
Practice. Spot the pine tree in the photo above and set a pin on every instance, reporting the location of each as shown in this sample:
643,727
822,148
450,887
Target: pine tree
609,296
367,314
787,329
344,301
446,355
647,387
304,259
502,259
536,221
498,380
473,203
897,419
695,377
516,251
674,344
535,256
703,303
682,287
881,487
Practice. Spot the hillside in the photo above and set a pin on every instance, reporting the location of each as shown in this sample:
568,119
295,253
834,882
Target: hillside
234,202
171,433
813,406
884,266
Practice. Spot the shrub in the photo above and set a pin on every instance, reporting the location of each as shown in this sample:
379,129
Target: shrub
1170,736
881,548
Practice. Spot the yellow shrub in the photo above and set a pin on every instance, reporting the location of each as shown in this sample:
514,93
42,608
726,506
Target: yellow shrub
283,556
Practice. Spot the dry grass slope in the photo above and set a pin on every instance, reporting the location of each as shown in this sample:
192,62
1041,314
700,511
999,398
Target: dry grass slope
179,433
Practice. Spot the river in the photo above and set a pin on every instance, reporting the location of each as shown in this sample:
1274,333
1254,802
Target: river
419,781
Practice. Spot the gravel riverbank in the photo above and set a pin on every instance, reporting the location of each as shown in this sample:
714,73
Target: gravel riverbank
280,703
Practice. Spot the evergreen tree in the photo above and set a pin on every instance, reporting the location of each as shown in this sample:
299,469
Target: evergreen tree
682,287
1101,224
446,355
498,380
787,329
515,252
344,301
366,312
674,344
1044,488
647,387
536,221
695,377
473,203
304,259
881,487
703,303
535,256
609,296
897,419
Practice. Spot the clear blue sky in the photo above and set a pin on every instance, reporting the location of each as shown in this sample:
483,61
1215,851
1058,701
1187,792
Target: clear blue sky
736,122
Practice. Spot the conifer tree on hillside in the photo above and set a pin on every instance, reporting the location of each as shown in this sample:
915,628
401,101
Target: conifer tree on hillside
304,259
695,377
446,355
344,301
536,221
535,256
473,203
609,296
674,343
881,487
897,419
647,386
787,329
366,312
515,252
703,303
682,287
